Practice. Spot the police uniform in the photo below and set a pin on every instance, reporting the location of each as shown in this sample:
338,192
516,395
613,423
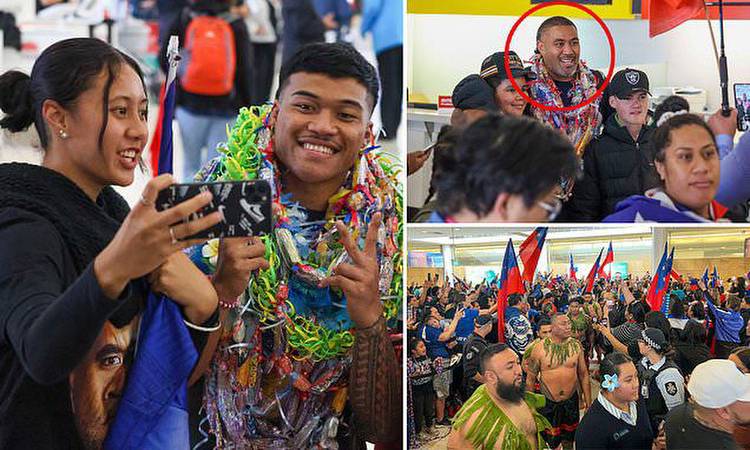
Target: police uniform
473,347
662,388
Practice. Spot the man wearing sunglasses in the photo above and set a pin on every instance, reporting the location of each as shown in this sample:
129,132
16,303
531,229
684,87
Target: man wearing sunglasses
620,161
503,169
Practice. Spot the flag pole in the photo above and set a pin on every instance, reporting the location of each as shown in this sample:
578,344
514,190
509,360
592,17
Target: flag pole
723,75
167,151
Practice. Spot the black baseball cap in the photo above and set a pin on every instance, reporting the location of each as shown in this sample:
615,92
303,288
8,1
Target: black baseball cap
493,68
483,320
473,93
627,81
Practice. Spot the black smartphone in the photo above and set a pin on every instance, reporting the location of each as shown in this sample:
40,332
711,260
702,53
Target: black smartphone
742,103
246,206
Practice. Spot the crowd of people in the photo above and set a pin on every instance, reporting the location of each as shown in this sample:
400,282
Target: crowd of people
561,365
612,160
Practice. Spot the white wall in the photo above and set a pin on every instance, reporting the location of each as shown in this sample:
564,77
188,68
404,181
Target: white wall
442,49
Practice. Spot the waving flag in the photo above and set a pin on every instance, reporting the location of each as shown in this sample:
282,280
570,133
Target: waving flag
529,252
705,277
715,278
674,275
591,277
667,14
572,270
161,144
510,283
658,286
153,411
608,260
665,304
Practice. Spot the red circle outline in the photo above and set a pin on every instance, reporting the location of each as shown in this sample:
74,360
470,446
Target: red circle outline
536,104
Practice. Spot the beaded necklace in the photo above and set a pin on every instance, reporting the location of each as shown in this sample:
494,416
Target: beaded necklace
278,376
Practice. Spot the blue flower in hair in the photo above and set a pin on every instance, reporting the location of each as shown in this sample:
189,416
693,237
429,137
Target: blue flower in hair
610,382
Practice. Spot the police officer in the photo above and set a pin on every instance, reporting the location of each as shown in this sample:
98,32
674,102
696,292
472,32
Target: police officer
472,349
662,384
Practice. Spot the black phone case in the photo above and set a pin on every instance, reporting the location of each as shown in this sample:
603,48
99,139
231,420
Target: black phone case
246,206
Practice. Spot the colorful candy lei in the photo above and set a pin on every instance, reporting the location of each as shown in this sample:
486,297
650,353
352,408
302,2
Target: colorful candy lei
285,326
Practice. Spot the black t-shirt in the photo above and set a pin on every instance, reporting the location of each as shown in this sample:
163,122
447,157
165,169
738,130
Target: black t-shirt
564,87
683,431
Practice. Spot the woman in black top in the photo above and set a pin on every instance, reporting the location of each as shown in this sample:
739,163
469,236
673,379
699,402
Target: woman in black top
616,420
73,256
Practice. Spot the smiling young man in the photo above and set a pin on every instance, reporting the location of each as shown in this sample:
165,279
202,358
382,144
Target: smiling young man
564,80
333,348
619,162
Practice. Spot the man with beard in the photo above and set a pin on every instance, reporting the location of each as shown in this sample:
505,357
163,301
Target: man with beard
563,80
559,364
97,383
499,415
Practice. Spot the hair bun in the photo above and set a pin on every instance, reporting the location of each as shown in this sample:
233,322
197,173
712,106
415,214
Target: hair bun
15,101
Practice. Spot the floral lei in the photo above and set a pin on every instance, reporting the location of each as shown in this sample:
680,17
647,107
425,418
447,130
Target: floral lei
580,124
284,324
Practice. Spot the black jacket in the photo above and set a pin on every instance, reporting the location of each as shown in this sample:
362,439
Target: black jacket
614,168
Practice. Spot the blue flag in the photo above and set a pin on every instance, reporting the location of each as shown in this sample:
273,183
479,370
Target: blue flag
152,413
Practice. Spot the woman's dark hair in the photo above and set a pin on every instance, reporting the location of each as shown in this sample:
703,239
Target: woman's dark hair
743,354
612,362
657,319
698,311
677,308
335,61
673,103
413,342
503,154
663,134
694,333
446,140
63,72
638,311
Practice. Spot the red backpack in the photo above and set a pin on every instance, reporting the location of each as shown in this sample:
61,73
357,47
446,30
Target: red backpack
208,58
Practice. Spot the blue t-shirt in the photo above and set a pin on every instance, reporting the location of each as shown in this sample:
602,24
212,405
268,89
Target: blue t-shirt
430,336
465,325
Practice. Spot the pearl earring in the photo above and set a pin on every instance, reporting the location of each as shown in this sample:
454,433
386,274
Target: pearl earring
63,134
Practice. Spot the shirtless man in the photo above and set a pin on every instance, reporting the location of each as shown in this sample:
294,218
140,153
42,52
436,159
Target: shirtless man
558,362
499,415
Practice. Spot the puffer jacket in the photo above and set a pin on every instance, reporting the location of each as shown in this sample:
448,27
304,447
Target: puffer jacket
614,168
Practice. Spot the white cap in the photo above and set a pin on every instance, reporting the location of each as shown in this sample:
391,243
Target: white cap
717,383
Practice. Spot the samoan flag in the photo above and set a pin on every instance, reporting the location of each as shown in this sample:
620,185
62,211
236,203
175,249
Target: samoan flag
658,286
529,252
572,270
608,260
153,411
591,277
705,277
665,304
715,278
510,282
